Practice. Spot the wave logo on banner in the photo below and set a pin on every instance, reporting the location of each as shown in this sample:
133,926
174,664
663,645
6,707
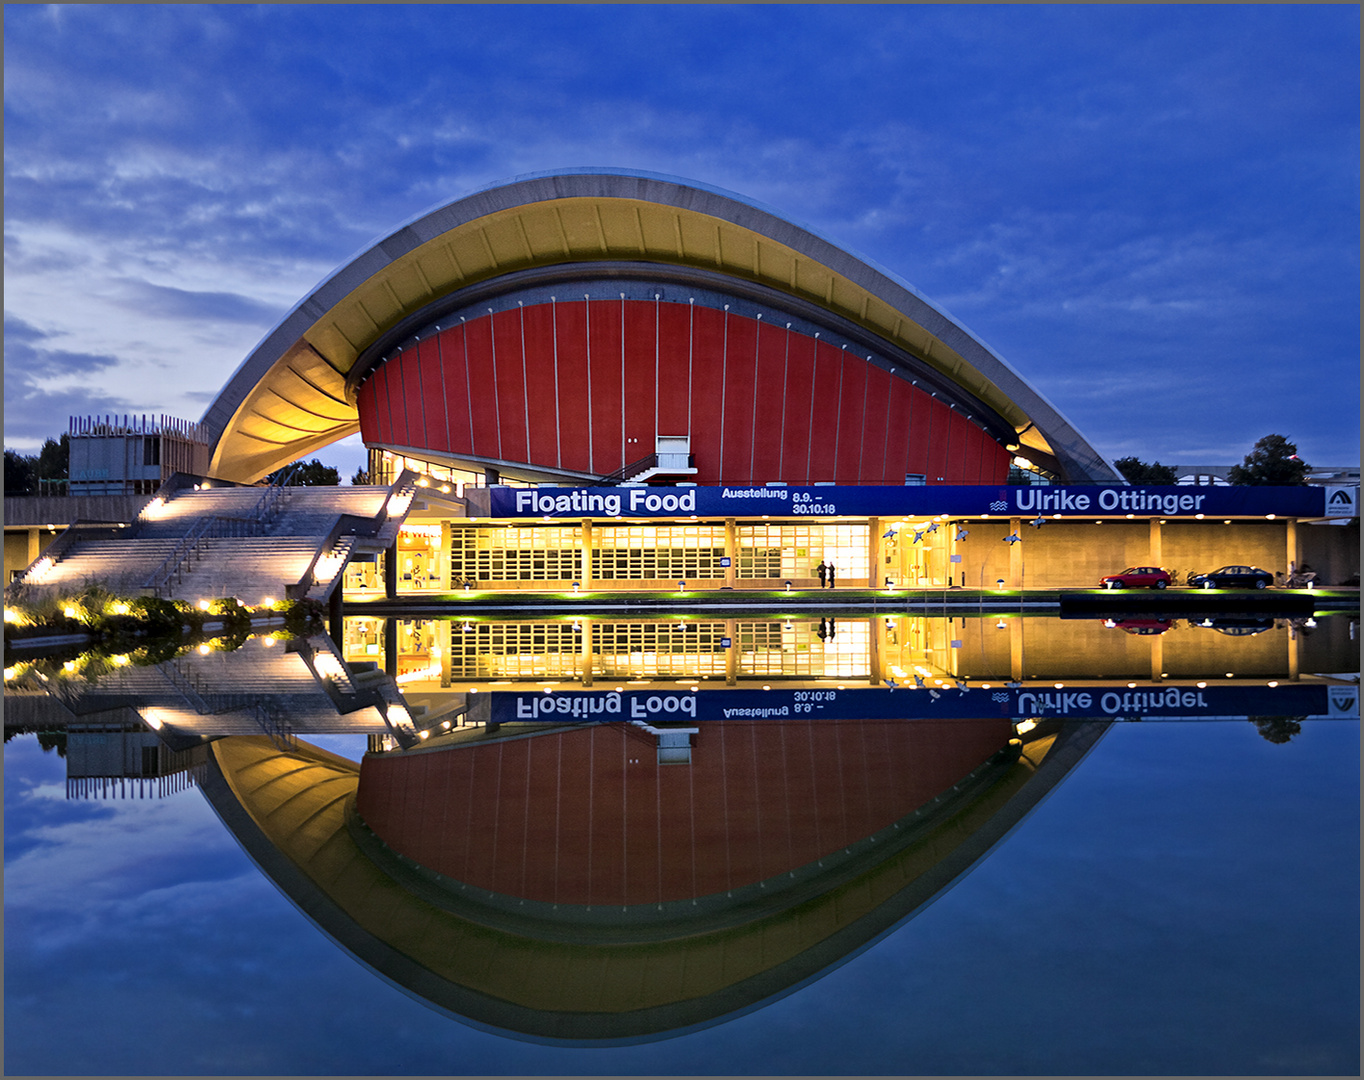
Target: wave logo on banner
1343,700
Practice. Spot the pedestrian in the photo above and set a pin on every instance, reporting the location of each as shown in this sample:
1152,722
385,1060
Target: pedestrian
821,570
831,575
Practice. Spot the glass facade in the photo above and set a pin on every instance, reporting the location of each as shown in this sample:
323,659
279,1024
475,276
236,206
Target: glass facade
794,550
658,552
516,553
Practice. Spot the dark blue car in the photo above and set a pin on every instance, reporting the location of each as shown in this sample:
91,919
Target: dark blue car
1233,577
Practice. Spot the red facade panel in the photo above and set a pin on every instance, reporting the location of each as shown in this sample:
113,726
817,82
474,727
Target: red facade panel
736,422
542,400
956,446
970,455
873,465
769,403
364,404
435,426
485,401
413,405
510,368
939,417
575,401
852,402
823,433
641,366
708,379
798,410
588,385
607,362
898,421
674,367
458,386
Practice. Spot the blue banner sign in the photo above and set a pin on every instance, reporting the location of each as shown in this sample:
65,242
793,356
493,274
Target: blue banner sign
909,501
922,703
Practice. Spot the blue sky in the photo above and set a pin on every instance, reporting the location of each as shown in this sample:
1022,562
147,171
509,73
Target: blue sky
1152,212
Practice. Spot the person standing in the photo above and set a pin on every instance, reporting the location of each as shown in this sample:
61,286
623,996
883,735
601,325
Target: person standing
830,569
821,570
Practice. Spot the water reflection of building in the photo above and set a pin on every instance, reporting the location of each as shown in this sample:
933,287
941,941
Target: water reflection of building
428,655
563,884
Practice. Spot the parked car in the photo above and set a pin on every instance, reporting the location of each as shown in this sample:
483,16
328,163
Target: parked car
1234,626
1140,626
1233,577
1137,577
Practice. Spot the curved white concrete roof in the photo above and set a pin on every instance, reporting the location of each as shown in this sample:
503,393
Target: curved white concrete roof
291,395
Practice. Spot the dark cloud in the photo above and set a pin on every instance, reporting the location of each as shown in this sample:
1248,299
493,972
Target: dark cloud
169,303
34,411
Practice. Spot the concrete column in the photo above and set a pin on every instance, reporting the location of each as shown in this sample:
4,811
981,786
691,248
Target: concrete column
586,674
391,647
876,650
35,546
585,543
1154,554
731,552
1157,656
391,572
1015,555
956,574
732,653
876,562
1294,555
443,557
1016,649
491,476
336,624
444,639
1292,654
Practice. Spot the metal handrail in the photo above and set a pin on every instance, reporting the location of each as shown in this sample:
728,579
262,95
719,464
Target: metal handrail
191,546
620,475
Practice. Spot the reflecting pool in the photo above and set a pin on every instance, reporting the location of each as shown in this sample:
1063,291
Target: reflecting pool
608,845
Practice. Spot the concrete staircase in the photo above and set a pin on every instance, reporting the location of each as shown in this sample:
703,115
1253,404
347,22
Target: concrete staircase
248,542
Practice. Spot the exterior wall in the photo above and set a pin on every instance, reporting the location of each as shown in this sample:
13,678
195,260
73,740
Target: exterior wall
1331,551
586,386
22,546
1050,648
1203,546
1076,554
1059,554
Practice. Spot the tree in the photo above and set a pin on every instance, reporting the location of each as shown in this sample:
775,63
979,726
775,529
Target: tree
19,476
1278,729
361,477
1138,472
29,474
1273,460
306,474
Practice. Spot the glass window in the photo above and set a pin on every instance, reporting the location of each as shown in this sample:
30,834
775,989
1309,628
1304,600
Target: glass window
772,550
658,552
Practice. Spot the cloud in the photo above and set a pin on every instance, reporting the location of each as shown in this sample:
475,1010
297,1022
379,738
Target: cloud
1144,189
170,303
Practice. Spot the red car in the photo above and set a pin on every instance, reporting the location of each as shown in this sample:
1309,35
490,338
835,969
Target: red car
1138,577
